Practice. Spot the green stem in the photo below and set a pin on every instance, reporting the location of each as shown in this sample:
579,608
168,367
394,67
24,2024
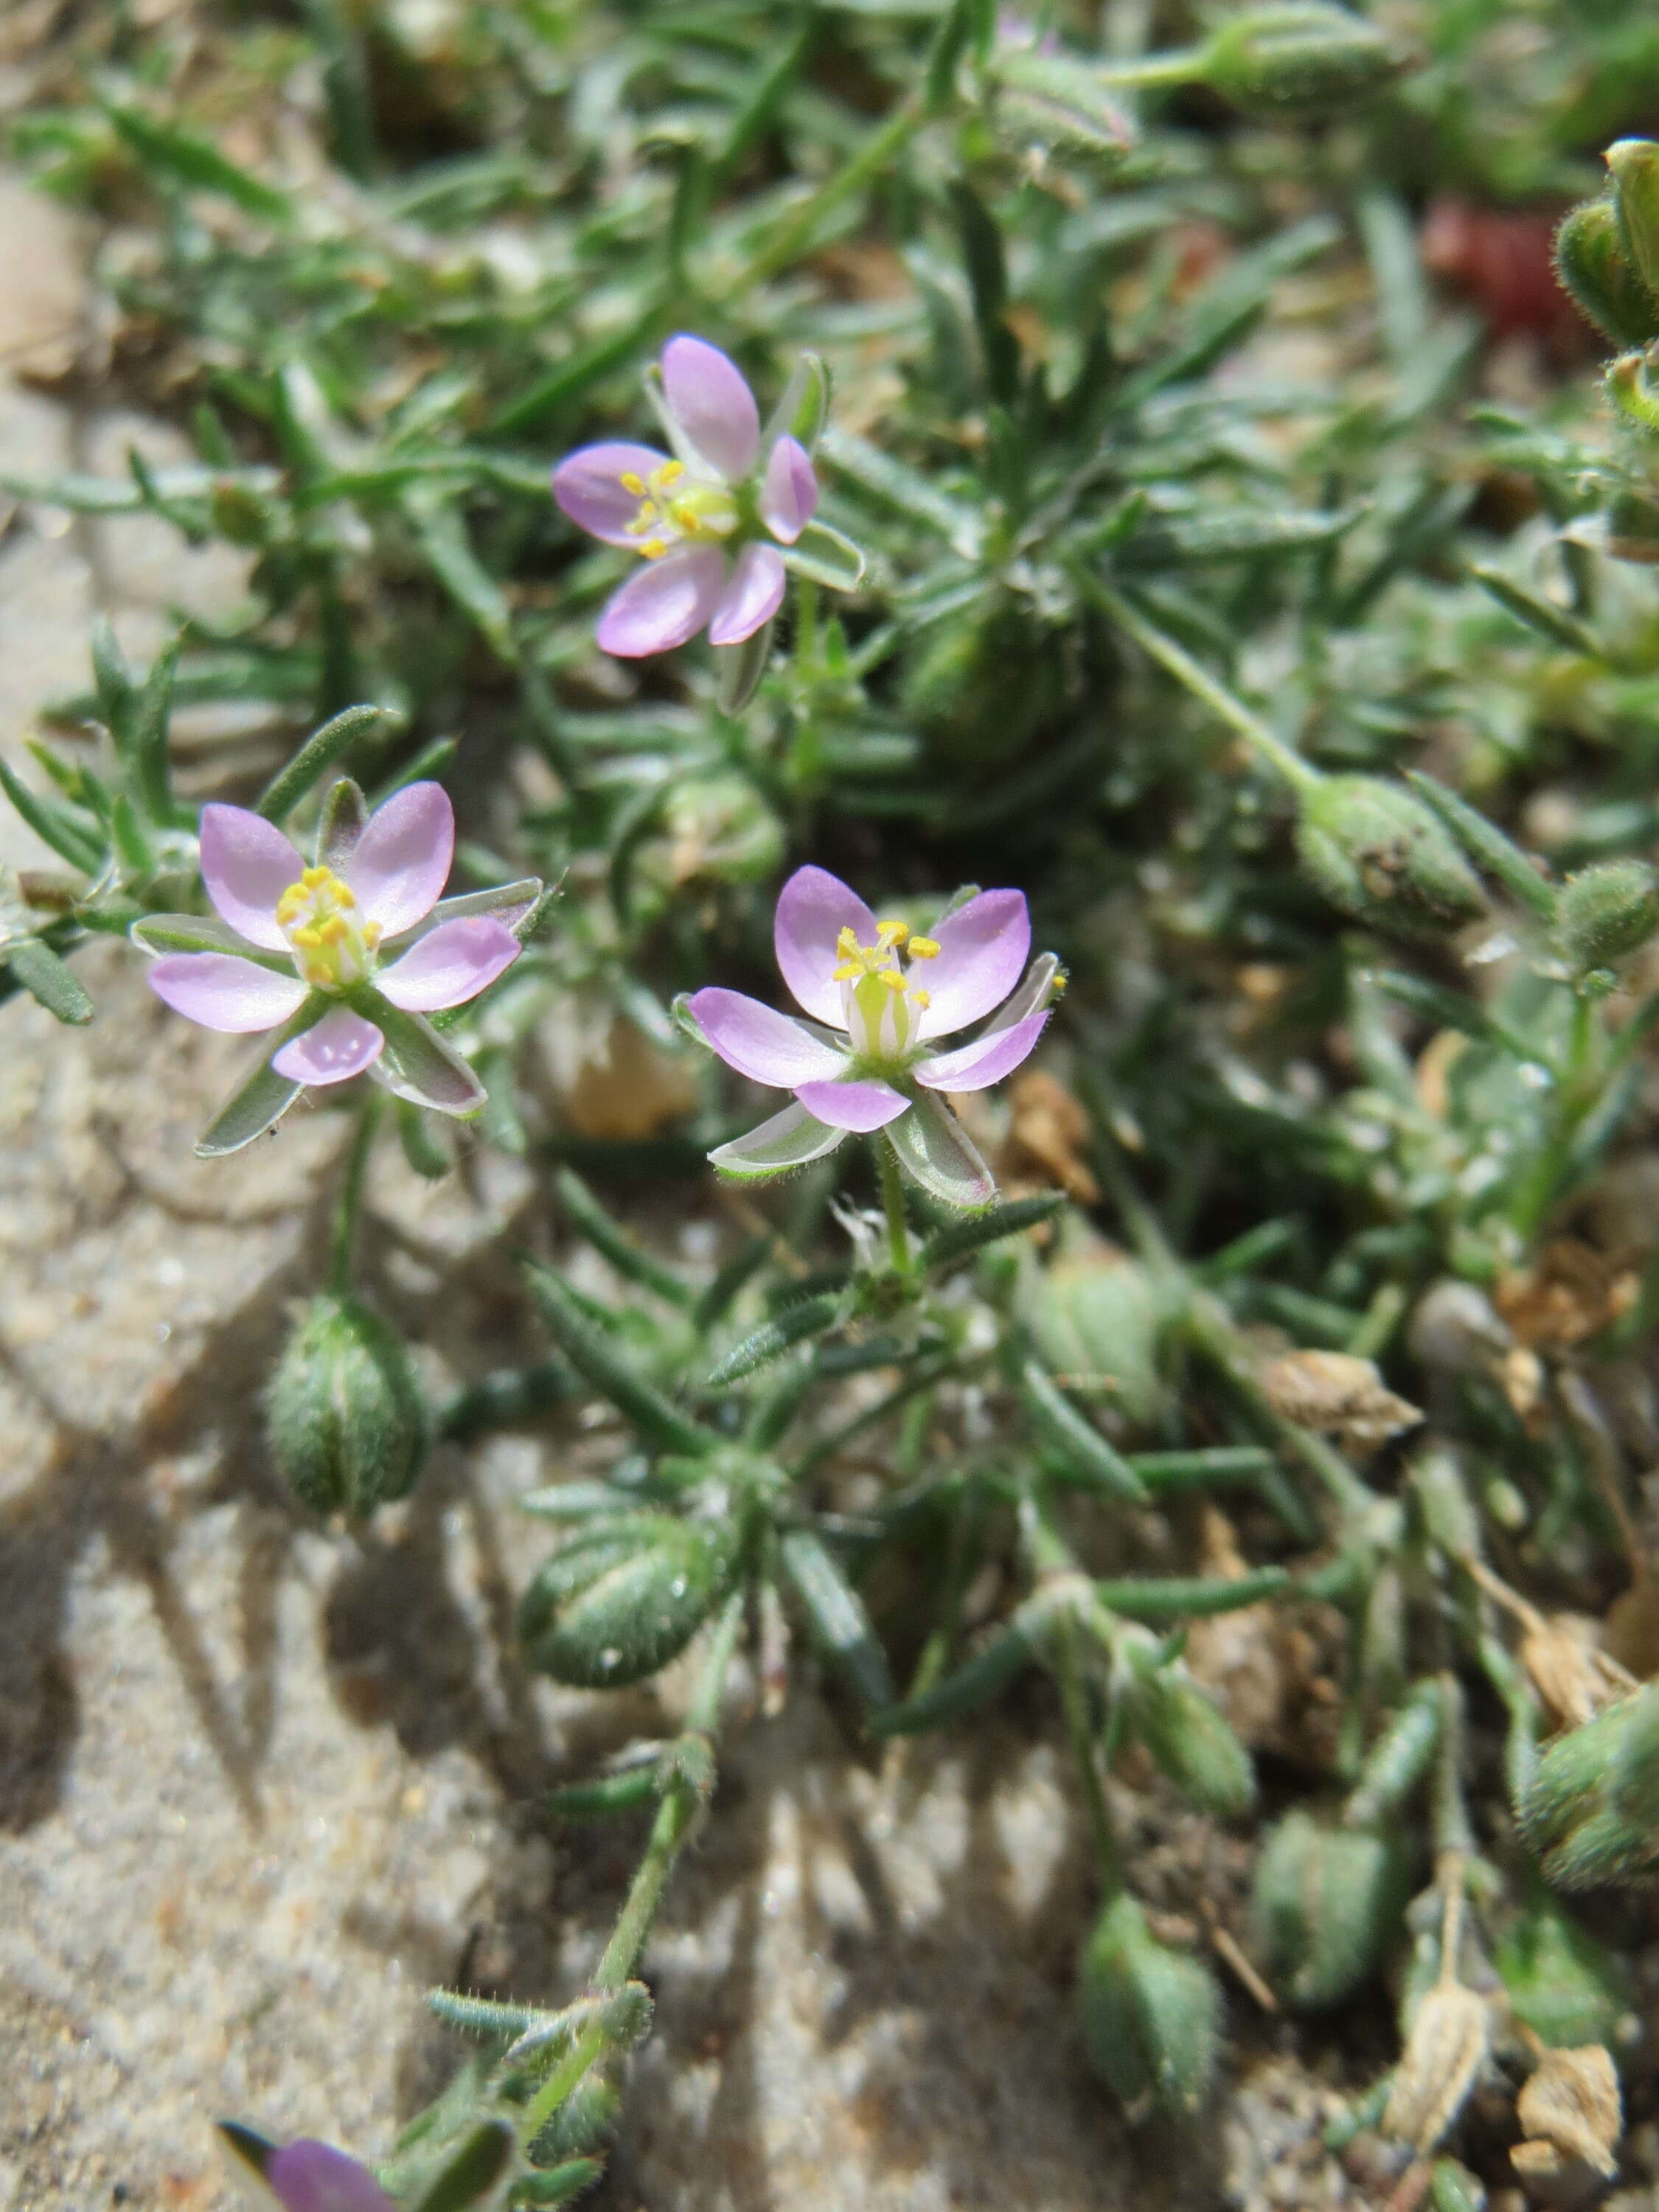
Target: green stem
892,1199
1301,775
1185,66
875,154
349,1207
675,1816
1074,1703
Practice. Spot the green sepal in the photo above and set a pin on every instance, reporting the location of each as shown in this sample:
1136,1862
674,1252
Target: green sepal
778,1146
416,1063
1151,2015
253,2149
938,1154
346,1420
620,1601
261,1099
471,2172
824,557
343,821
738,669
201,932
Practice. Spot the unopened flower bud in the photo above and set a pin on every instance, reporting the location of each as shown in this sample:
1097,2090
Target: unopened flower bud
619,1602
1187,1734
1149,2013
347,1418
1457,1329
1055,102
1607,912
1327,1904
1560,1981
1301,57
1375,850
1634,163
1594,264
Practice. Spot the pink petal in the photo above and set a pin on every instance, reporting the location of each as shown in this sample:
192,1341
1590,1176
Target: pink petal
789,496
342,1045
665,604
976,1066
752,597
312,2177
709,397
224,993
814,907
450,964
981,953
246,865
765,1046
588,487
401,862
855,1105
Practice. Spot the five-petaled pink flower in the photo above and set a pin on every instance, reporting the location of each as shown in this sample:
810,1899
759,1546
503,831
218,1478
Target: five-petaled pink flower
707,519
880,998
344,956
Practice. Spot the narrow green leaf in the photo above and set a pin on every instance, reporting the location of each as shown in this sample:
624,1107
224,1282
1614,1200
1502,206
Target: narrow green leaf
611,1238
196,164
836,1611
48,981
1537,613
990,1671
1487,845
1077,1439
599,1365
809,1317
149,771
471,2172
554,2185
53,825
316,756
962,1237
606,1797
1156,1598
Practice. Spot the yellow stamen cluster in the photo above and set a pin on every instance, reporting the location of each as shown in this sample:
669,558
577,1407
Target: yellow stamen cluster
667,516
886,963
332,945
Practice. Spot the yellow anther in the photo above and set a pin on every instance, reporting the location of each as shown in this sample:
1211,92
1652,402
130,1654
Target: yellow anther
654,548
893,979
847,972
669,473
309,940
892,933
923,999
371,934
923,948
333,929
1058,982
631,480
684,514
846,944
345,895
312,877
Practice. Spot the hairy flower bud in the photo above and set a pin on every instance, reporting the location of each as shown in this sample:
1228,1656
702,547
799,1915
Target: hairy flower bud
1326,1904
1149,2013
619,1602
347,1418
1595,265
1301,57
1187,1733
1607,912
1376,851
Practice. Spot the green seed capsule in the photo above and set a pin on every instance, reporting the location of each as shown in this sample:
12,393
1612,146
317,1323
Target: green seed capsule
1594,264
621,1600
1607,912
346,1417
1300,58
1190,1737
1376,851
1149,2015
1561,1983
1634,163
1327,1904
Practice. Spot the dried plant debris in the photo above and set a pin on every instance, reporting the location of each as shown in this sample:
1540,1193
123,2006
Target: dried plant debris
1338,1395
1571,2118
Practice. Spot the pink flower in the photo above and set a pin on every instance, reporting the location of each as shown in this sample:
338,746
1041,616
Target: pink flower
345,956
311,2176
879,999
707,519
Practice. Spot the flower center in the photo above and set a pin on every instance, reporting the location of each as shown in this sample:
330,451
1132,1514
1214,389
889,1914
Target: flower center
882,1008
332,945
675,509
